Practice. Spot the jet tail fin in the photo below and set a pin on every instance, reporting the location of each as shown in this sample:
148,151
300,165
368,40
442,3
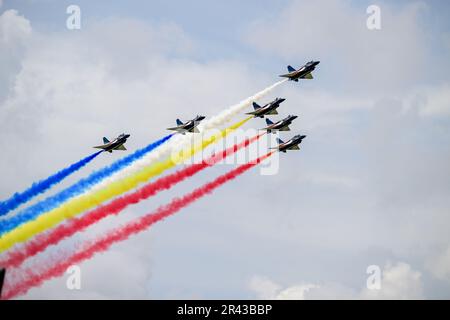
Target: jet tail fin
280,141
105,140
256,106
179,122
290,68
2,278
268,121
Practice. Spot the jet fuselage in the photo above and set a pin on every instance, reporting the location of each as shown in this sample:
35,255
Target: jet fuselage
282,125
302,72
291,144
267,109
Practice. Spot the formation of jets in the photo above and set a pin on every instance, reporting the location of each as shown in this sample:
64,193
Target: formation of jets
268,109
190,126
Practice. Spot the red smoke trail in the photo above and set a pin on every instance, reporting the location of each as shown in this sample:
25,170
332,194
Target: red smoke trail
89,249
42,241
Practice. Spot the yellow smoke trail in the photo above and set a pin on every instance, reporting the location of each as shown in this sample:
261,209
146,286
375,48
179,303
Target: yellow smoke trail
85,202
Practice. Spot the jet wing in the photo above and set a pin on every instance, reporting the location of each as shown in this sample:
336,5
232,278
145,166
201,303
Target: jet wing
104,146
286,128
308,76
175,128
274,111
121,147
254,113
286,75
295,147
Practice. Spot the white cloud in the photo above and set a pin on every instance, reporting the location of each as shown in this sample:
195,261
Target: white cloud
267,289
398,281
15,31
432,101
439,265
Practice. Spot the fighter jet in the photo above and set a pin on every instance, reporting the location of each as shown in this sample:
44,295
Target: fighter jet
289,145
282,125
188,126
116,144
303,73
268,109
2,278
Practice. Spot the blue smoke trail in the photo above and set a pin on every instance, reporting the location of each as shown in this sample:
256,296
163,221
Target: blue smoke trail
76,189
41,186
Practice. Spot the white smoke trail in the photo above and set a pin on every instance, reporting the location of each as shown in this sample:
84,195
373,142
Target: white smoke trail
183,141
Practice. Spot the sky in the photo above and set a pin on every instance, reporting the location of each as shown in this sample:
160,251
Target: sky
370,185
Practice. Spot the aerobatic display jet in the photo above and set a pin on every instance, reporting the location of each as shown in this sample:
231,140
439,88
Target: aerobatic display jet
2,278
289,145
188,126
116,144
268,109
303,73
282,125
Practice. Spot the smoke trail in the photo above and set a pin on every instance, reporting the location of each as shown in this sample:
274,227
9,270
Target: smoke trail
87,201
41,186
182,141
227,114
90,248
75,189
42,241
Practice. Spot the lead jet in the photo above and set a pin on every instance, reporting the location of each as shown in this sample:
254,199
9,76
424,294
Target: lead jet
188,126
289,145
303,73
116,144
2,278
268,109
282,125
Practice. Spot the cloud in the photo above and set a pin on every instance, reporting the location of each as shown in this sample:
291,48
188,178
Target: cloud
15,31
398,281
267,289
432,101
439,265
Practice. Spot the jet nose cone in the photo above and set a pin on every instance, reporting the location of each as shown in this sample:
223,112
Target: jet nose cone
200,118
127,135
316,63
281,99
294,117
